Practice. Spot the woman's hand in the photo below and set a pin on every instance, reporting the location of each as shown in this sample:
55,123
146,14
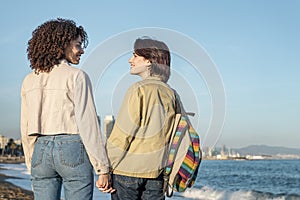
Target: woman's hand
104,183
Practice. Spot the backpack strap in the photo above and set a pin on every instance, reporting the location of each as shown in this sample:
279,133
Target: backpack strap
181,124
179,106
171,154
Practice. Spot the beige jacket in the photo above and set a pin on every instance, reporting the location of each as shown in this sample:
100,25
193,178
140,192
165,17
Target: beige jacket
61,102
139,140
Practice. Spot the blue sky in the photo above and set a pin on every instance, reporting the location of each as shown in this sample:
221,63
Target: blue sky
253,44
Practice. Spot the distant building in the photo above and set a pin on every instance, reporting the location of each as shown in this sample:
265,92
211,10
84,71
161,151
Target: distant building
108,125
3,141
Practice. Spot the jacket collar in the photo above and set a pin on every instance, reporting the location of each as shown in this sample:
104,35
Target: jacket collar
153,78
63,61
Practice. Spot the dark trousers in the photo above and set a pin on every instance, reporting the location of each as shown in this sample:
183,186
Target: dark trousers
131,188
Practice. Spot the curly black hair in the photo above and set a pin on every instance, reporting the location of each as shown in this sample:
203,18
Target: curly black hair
49,41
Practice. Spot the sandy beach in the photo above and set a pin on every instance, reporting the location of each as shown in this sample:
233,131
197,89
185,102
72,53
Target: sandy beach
9,191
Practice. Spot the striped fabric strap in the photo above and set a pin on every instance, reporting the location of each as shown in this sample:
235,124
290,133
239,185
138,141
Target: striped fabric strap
181,128
189,168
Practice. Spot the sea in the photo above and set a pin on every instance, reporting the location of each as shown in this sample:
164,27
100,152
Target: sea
218,180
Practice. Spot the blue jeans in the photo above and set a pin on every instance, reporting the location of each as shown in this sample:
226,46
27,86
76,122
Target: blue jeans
61,160
131,188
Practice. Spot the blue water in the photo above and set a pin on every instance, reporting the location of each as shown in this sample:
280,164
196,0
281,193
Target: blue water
220,180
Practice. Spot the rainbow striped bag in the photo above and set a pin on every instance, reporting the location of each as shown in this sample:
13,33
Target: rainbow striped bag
184,156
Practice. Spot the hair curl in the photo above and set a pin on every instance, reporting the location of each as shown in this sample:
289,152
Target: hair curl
49,41
158,53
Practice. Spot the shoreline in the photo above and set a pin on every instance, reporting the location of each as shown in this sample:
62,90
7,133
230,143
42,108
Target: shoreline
12,160
9,191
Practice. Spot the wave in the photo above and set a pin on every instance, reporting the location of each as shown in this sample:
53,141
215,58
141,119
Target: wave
13,168
207,193
17,167
198,192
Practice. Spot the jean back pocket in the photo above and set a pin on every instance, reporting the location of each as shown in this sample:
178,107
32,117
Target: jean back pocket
71,153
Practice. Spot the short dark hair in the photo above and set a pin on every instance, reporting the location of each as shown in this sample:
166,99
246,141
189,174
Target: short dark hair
49,41
158,53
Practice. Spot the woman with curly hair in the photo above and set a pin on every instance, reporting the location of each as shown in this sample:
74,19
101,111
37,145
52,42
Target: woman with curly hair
59,127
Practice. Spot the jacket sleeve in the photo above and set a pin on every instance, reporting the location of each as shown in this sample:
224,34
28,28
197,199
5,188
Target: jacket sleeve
88,125
126,126
27,141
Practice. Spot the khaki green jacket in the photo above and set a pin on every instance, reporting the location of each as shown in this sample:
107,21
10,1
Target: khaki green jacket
139,140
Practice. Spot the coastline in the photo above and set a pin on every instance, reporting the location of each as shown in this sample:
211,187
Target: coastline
11,160
9,191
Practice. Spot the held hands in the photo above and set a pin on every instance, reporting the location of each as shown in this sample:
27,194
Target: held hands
104,183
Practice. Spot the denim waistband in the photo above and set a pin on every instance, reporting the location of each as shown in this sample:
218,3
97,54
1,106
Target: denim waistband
59,137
